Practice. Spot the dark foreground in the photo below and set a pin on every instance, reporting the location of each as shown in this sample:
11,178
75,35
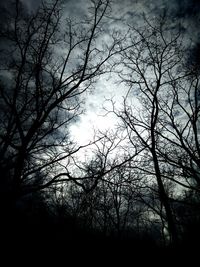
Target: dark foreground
45,242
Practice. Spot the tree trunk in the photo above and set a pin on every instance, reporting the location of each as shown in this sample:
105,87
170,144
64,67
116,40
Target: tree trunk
165,201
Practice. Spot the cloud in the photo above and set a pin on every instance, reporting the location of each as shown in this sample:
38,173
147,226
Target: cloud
31,4
185,12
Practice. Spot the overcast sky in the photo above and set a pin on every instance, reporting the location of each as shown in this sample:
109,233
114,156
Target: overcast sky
187,12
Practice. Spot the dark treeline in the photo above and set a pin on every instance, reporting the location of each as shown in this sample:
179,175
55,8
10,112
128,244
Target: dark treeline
139,189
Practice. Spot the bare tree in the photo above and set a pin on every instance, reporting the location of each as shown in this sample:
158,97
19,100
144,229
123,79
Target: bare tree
181,133
149,65
47,64
111,199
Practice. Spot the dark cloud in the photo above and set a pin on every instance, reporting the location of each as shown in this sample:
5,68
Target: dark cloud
193,59
187,12
183,12
31,4
71,7
187,8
